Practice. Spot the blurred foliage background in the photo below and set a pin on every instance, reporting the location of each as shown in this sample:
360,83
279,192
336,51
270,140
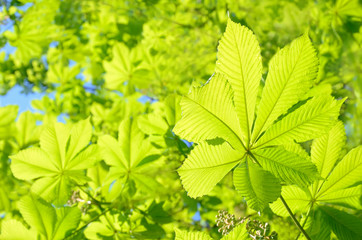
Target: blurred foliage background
115,60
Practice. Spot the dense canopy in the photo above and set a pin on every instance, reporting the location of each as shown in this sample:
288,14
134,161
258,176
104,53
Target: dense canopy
180,119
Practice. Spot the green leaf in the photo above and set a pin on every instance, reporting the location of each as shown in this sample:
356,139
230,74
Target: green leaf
38,214
123,68
257,186
287,166
98,230
33,163
346,173
291,73
60,161
309,121
61,73
8,115
344,225
349,197
68,219
240,60
316,226
158,214
239,232
53,141
296,199
327,148
14,230
152,124
126,156
206,166
186,235
79,139
27,131
341,188
208,112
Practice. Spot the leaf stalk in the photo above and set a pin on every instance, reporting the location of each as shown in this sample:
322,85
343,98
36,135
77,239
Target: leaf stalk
296,222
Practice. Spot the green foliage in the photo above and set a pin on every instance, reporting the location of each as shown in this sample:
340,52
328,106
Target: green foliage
59,162
239,232
338,190
224,109
151,147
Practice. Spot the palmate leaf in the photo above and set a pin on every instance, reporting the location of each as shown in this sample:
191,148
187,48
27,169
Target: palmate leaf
224,109
291,73
257,186
216,116
239,60
340,188
206,166
60,161
123,68
129,157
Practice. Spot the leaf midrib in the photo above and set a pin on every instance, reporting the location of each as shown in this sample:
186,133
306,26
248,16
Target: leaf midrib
39,216
236,135
283,164
304,122
37,166
324,159
339,179
244,93
279,95
335,218
211,167
337,198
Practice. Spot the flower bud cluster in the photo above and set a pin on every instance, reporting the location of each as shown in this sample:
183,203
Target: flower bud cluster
226,221
257,230
260,231
76,198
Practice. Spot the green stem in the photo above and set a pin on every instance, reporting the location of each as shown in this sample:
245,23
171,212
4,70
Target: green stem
285,205
306,218
294,219
95,201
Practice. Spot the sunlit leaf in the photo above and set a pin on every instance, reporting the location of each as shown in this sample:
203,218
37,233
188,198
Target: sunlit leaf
257,186
60,161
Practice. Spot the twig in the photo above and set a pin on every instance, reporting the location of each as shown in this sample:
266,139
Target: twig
294,219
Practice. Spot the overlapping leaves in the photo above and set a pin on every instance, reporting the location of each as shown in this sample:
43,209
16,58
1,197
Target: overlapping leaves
128,159
325,198
59,162
46,222
219,117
